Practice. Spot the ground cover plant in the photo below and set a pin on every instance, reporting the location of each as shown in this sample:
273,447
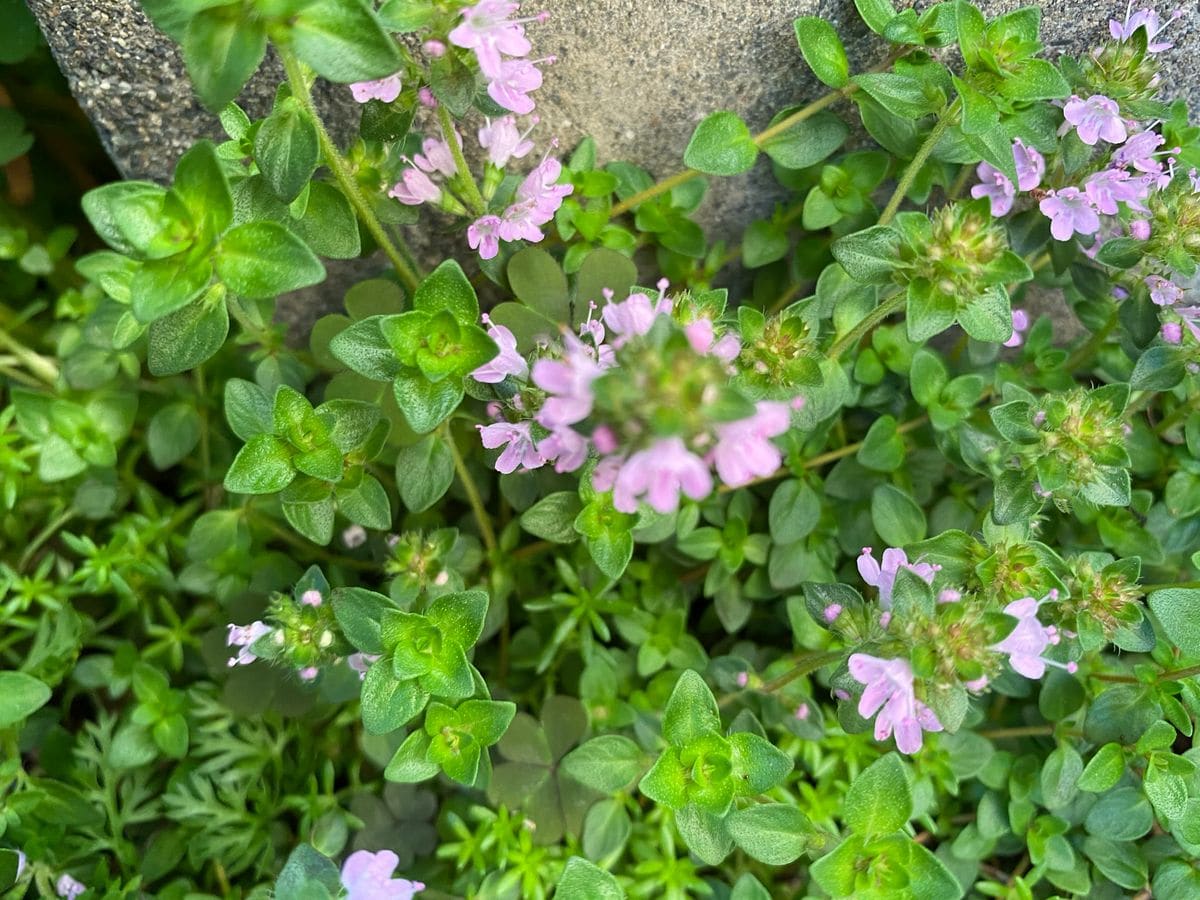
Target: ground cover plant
597,559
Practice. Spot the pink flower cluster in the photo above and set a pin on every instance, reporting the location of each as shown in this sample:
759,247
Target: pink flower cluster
369,876
883,576
996,186
566,428
1025,645
1148,19
500,46
416,184
890,697
534,205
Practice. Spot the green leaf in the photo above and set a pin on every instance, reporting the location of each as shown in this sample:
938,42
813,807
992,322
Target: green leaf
263,466
721,145
879,800
759,763
424,472
705,834
173,433
260,260
342,40
1103,770
186,338
426,404
553,517
882,448
286,149
21,695
460,616
538,281
823,51
306,875
896,516
773,833
988,316
358,613
448,288
201,183
130,217
581,880
161,286
1060,776
870,255
691,710
363,348
876,13
223,47
806,143
365,503
609,763
410,763
794,511
387,702
901,95
1178,611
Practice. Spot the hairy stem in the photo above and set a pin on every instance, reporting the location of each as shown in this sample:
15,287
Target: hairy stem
484,522
473,197
804,664
342,174
918,161
890,305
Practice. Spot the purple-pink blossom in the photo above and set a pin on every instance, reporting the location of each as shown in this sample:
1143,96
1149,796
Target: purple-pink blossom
1139,151
1163,291
514,81
744,450
504,141
1139,229
1070,212
360,662
436,157
415,188
312,597
487,30
385,89
369,876
889,692
1110,187
565,447
484,235
243,637
536,201
1096,118
1172,333
659,474
883,576
507,361
701,334
68,888
568,381
1148,19
517,440
1026,643
1020,320
997,187
634,315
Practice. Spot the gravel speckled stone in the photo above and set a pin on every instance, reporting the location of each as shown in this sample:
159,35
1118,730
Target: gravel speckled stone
633,74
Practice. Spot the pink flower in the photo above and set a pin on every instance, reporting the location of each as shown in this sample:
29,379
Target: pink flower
514,81
1139,229
517,440
889,692
1139,152
354,537
743,679
436,157
385,89
565,447
1172,333
360,662
308,673
883,576
744,450
312,597
243,637
568,381
1144,18
433,49
504,141
1031,166
1112,186
1070,212
505,363
802,712
487,30
368,876
484,235
1026,643
1163,291
68,888
426,98
994,185
701,334
634,315
661,472
1020,326
535,202
520,224
415,188
1096,118
831,612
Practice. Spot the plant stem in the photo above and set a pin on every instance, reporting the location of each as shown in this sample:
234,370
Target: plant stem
804,664
44,535
466,179
910,173
342,174
890,305
482,520
1091,345
1019,731
37,364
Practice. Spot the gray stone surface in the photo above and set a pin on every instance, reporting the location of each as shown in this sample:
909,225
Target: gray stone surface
634,74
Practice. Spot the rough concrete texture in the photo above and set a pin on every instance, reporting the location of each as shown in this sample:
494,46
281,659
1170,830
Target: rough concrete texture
635,75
